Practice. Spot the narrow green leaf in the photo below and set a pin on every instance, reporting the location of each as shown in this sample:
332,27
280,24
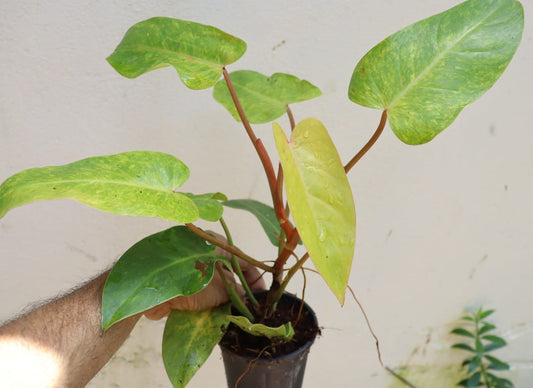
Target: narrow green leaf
462,383
463,346
463,332
156,269
474,380
265,215
495,342
284,332
479,346
493,346
486,328
209,206
198,52
139,183
189,339
496,364
263,98
474,364
499,382
485,314
426,73
494,338
320,199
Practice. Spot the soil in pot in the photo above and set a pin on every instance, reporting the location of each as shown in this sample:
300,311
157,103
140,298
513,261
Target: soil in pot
258,362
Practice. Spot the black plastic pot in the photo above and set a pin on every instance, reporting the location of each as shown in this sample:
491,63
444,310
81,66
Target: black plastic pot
287,371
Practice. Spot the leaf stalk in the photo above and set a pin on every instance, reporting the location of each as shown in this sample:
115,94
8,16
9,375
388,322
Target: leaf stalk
263,156
369,144
233,250
236,265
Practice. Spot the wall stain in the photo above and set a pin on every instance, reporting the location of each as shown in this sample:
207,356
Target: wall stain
282,43
475,268
86,254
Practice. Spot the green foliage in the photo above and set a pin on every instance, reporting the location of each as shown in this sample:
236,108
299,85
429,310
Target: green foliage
209,206
138,183
265,215
423,76
479,364
284,332
320,199
189,339
263,98
160,267
424,83
197,52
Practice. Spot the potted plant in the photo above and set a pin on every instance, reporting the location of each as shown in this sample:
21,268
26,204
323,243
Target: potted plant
420,77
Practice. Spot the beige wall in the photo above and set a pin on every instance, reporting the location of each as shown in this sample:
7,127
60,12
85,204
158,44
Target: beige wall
440,227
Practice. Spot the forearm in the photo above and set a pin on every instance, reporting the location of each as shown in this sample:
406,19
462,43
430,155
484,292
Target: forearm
61,343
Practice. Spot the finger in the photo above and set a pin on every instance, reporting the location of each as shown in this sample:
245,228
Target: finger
211,296
222,252
218,250
158,312
251,274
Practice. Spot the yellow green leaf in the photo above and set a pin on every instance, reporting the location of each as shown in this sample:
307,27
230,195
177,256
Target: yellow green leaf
426,73
263,98
189,339
320,199
137,183
198,52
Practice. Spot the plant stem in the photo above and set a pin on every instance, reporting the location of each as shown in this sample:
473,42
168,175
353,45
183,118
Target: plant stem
292,271
277,287
233,250
280,182
275,190
482,369
263,156
279,192
236,266
279,264
238,106
234,297
291,118
369,144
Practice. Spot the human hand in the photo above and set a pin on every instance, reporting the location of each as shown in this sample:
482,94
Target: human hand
214,294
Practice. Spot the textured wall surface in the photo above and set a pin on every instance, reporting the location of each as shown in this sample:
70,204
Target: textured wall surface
441,227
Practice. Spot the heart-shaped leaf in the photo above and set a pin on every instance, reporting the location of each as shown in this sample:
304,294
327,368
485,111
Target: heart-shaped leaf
198,52
426,73
263,98
189,339
160,267
138,183
320,199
